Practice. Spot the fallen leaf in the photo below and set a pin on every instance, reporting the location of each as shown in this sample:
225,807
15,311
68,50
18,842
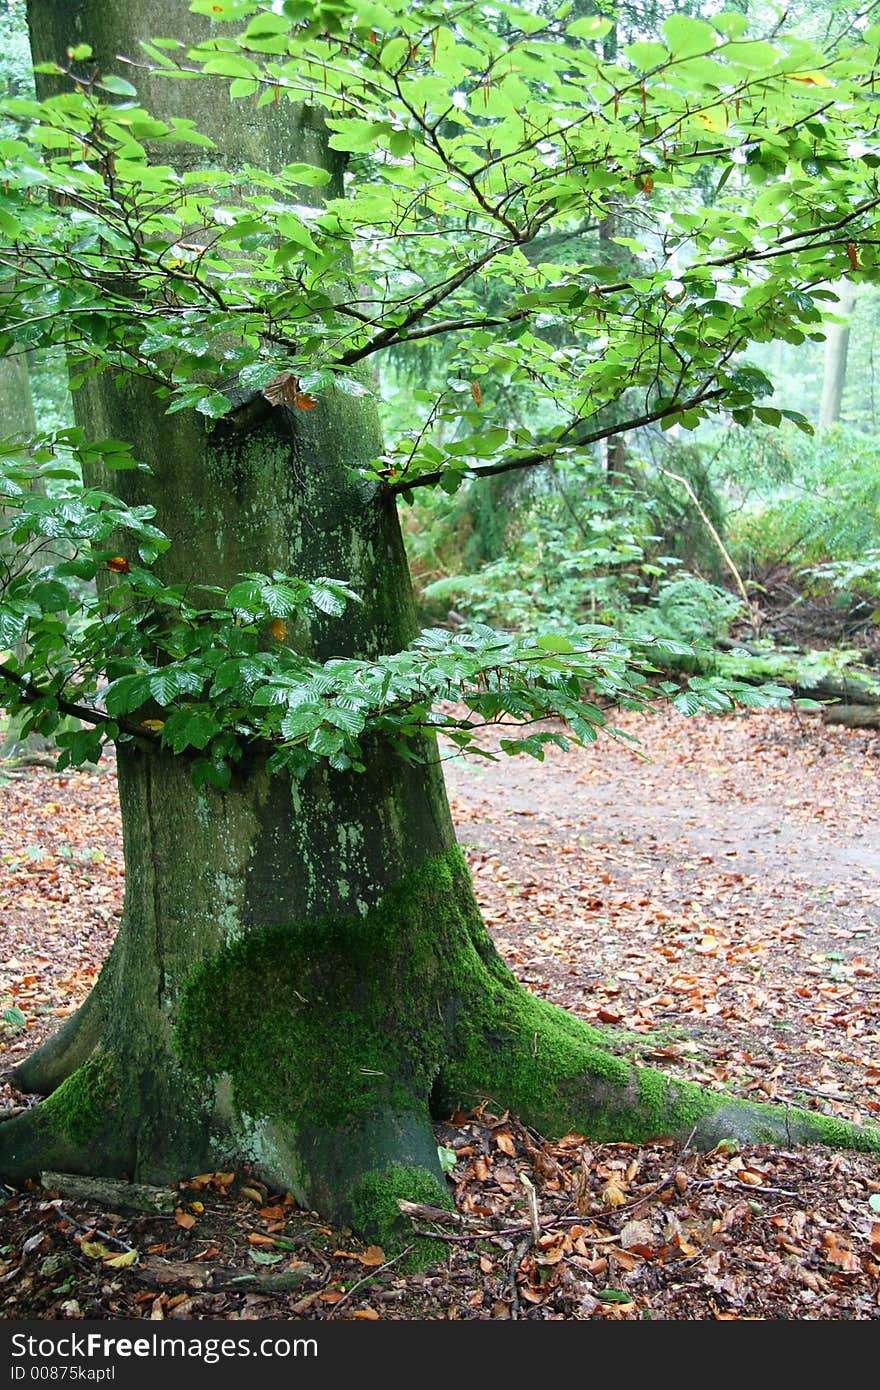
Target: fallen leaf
613,1194
128,1257
372,1257
94,1249
272,1213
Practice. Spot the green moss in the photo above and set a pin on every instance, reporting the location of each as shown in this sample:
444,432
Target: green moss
321,1022
84,1104
324,1025
377,1216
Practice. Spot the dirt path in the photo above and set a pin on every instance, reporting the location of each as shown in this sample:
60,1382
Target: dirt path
725,888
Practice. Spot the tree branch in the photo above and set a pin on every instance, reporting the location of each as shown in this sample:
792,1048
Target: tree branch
33,695
549,451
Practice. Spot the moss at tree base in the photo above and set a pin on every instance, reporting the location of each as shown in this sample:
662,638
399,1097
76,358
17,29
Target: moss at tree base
335,1041
86,1102
377,1217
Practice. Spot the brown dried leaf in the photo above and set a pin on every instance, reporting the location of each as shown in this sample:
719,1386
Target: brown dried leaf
272,1213
372,1257
504,1142
613,1194
282,389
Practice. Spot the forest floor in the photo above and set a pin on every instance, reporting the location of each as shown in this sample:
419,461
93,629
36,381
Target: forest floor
712,893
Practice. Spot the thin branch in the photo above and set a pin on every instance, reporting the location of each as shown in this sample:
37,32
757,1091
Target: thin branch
549,451
33,694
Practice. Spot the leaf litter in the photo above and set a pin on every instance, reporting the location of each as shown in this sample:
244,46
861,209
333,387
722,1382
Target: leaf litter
714,905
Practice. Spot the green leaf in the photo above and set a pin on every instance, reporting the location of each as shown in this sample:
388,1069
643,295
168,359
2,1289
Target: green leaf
302,720
214,405
448,1158
308,175
687,37
555,642
206,772
119,86
13,1018
393,52
127,694
172,681
266,1257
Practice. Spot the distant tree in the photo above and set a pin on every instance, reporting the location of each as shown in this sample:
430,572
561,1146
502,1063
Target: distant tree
836,352
302,977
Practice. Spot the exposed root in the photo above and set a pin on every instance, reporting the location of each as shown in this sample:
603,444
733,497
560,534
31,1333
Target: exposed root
551,1070
80,1128
57,1058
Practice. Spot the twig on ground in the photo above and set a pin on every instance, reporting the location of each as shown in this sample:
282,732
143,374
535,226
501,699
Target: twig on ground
102,1235
367,1279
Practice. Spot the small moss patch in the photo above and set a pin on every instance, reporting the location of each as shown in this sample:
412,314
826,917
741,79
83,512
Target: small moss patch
84,1104
377,1216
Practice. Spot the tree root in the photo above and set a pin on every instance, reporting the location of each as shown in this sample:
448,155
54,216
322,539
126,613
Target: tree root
551,1071
59,1056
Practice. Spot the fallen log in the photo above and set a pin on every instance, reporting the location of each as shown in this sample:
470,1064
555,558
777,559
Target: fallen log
112,1195
191,1274
853,716
847,690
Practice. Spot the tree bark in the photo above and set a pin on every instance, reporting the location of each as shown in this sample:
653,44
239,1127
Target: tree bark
853,716
836,351
302,978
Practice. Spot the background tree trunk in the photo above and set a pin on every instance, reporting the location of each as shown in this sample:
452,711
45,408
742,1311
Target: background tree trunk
836,351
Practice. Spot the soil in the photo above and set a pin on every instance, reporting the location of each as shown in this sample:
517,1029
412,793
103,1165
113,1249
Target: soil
711,894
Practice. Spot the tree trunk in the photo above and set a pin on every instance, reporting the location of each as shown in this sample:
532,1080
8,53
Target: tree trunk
836,350
302,978
17,421
16,405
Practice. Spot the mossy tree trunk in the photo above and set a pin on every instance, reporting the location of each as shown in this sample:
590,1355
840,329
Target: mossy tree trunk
302,978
